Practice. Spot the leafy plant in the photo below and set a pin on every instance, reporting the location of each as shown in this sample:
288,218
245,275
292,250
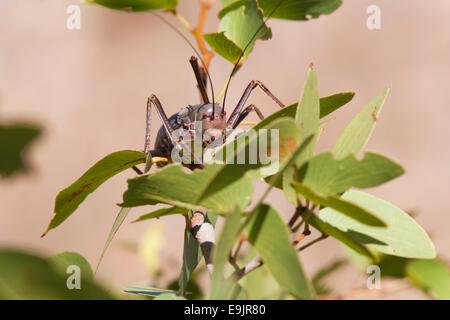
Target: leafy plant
322,186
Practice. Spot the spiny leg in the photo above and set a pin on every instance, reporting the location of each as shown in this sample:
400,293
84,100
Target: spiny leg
246,112
201,79
237,111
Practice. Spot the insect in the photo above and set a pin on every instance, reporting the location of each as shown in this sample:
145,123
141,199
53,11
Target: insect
213,117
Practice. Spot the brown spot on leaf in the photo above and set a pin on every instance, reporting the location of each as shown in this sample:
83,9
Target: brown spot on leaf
290,143
374,117
79,191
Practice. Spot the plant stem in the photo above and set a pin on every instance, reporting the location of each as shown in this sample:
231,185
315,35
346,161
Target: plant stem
197,31
322,237
203,231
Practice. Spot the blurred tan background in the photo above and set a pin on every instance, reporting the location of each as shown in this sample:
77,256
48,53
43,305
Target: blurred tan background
88,89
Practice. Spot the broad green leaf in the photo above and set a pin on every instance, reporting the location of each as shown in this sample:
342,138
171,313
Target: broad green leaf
402,237
334,102
268,233
160,213
261,285
390,266
326,175
230,5
344,237
230,232
123,213
14,145
432,276
192,255
299,9
307,117
347,208
66,259
26,276
355,136
222,45
275,179
308,111
239,26
70,198
148,291
327,105
137,5
287,141
172,185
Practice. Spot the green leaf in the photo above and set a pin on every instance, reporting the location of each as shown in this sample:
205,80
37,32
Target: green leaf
66,259
327,105
192,255
326,175
344,237
402,237
299,9
267,232
32,277
148,291
70,198
123,213
288,139
230,232
432,276
261,285
348,208
160,213
237,29
307,117
357,133
223,46
137,5
172,185
14,145
230,6
334,102
308,111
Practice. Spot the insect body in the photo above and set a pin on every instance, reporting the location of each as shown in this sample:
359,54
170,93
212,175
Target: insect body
214,121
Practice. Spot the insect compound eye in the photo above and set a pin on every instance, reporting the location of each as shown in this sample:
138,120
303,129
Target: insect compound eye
204,116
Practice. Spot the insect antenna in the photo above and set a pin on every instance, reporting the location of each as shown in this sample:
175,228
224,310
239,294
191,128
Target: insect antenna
236,65
191,45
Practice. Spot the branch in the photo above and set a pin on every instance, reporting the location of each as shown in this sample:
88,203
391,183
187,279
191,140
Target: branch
205,6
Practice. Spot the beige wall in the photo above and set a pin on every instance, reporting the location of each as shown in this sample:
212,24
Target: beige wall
88,88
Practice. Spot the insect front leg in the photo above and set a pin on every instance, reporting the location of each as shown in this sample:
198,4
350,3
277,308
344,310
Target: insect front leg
162,115
235,115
